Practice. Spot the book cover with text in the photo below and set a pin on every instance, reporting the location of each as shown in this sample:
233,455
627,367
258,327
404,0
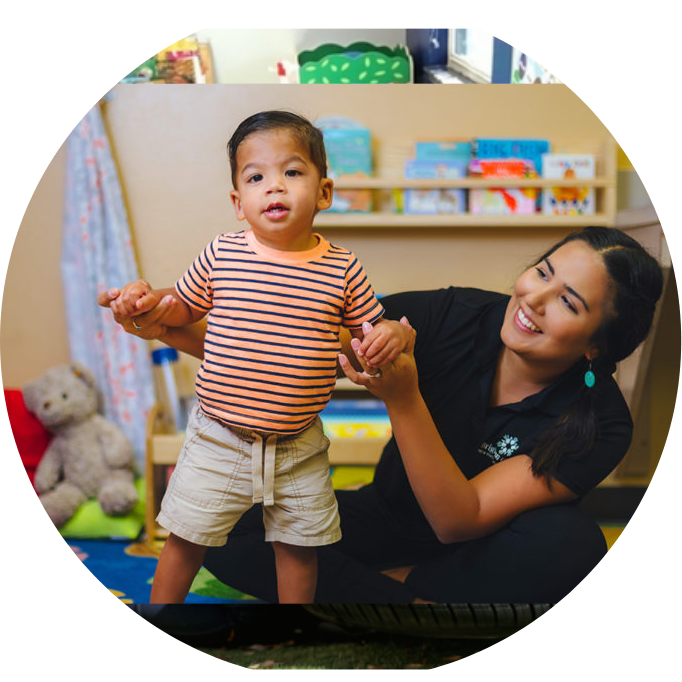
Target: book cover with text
568,200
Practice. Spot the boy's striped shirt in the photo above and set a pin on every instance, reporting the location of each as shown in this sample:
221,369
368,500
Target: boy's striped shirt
272,339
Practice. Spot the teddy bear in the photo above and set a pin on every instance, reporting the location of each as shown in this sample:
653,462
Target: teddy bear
88,456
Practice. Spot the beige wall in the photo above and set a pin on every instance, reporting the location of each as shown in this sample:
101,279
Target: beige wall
170,142
33,332
170,145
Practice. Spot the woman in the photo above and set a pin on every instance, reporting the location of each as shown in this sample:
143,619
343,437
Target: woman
504,414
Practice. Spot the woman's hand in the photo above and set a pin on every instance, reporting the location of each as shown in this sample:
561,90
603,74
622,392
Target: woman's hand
393,383
148,325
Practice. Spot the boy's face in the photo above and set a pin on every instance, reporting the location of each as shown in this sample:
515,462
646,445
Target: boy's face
279,190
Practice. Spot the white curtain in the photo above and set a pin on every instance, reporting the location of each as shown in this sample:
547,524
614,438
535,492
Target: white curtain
97,254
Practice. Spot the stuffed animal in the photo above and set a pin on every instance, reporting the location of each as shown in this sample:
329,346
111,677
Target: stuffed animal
88,456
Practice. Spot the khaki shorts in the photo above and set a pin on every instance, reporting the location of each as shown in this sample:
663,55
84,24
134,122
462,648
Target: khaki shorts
222,472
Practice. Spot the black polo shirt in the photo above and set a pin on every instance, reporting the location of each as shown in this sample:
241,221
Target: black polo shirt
457,346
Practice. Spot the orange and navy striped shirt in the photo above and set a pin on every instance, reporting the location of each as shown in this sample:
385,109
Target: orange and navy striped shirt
272,337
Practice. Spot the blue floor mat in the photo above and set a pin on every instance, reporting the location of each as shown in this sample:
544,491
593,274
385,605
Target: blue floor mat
126,569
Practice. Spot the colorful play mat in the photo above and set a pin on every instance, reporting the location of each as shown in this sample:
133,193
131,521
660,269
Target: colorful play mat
127,569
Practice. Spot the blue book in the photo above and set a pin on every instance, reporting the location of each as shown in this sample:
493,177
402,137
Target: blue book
349,153
447,169
512,148
442,151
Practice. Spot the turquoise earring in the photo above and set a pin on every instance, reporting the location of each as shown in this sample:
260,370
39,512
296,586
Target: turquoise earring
589,376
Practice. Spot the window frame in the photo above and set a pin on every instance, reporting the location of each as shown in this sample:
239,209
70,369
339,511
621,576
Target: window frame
461,65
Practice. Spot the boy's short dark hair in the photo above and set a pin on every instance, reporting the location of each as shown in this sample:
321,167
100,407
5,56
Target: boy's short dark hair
309,136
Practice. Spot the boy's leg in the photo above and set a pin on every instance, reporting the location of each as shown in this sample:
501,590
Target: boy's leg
178,565
296,573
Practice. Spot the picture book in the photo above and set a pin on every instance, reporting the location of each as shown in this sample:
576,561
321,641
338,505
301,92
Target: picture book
568,200
435,201
503,200
454,150
349,155
431,170
180,63
515,148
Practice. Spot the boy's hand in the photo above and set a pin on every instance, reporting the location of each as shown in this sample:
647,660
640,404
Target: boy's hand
135,298
395,384
384,342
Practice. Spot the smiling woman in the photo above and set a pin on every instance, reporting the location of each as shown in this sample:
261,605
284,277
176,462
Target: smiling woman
549,325
621,285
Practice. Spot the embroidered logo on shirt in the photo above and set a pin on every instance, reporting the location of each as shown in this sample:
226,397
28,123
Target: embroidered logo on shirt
505,447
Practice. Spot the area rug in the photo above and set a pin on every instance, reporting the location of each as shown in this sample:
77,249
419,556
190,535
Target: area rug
126,569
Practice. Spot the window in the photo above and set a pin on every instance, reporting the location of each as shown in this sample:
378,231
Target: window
527,70
470,53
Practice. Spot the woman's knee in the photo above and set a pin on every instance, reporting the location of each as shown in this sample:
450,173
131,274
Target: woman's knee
562,531
539,557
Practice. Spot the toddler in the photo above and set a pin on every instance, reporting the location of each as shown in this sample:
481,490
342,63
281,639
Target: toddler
276,296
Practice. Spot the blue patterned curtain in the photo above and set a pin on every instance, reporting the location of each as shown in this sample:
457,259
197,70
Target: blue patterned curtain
97,254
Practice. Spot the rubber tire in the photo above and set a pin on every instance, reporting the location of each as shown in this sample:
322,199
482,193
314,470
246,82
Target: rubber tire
189,622
434,620
216,624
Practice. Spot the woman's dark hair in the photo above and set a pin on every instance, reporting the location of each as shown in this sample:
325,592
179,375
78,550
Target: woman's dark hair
635,285
308,135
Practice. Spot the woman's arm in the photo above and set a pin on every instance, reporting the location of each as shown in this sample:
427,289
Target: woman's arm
136,298
457,508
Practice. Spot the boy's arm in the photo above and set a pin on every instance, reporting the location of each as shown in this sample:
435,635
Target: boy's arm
346,336
350,341
189,339
180,313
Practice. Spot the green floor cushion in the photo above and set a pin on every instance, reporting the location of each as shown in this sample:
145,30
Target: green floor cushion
91,522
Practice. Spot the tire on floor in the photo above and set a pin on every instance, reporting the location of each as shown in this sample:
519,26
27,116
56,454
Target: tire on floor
433,620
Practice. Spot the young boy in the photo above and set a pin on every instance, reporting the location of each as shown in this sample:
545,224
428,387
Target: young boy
276,296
